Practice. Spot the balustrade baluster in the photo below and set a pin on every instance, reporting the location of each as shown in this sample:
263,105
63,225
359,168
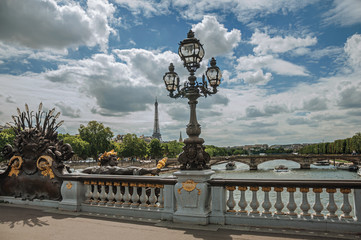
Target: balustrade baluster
118,196
242,202
291,206
135,195
126,195
110,195
88,193
152,198
279,204
96,194
143,198
230,202
161,195
318,207
331,207
305,206
266,203
346,206
254,204
102,195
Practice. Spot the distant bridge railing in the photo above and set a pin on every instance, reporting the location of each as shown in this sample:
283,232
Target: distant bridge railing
304,160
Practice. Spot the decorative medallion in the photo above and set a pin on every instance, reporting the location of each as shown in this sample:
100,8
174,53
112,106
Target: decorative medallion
189,186
69,185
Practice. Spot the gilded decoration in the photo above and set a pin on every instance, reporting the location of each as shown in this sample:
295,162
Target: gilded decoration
304,190
189,186
86,182
266,189
242,188
254,188
15,163
109,183
331,190
278,189
230,188
116,184
69,185
124,184
44,164
345,190
291,189
317,190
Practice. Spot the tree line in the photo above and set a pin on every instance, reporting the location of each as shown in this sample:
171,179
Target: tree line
95,138
340,146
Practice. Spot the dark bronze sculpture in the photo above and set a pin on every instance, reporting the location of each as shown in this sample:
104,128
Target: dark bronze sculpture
36,157
108,164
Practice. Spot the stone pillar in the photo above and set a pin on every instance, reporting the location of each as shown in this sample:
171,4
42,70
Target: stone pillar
169,203
73,194
219,207
357,204
193,197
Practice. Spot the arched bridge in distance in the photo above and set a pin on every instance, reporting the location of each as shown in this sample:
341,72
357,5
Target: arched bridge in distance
304,160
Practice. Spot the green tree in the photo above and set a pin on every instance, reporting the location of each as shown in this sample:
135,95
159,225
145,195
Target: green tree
155,149
133,146
80,147
6,137
97,136
172,149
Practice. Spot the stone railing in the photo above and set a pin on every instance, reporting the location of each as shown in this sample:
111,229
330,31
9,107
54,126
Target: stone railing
197,198
135,196
317,204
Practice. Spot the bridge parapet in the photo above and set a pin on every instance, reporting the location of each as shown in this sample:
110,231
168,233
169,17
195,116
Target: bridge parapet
323,205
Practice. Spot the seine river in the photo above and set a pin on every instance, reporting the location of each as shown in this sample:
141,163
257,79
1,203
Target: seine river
265,171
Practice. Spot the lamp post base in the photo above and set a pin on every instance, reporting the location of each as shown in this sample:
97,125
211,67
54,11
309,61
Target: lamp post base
193,156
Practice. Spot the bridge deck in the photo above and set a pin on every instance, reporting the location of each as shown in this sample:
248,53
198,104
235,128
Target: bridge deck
23,222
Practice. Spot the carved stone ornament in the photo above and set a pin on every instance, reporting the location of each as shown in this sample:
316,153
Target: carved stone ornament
36,156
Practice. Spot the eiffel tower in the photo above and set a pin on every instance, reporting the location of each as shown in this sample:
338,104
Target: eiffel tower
156,130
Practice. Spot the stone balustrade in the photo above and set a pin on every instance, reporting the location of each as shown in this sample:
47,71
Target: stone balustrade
195,197
291,203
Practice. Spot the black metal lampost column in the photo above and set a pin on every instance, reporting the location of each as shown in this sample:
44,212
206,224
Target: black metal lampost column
191,52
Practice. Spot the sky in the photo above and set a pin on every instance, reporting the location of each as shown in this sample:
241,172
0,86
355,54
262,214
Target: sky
291,69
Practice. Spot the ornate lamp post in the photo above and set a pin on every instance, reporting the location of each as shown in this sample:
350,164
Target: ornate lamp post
191,52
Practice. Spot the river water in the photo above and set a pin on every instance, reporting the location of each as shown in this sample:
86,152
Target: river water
265,171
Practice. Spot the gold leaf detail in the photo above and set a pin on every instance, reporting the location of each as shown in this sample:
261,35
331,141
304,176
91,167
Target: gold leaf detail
69,185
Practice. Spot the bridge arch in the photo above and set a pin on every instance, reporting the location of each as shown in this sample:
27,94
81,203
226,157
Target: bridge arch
281,162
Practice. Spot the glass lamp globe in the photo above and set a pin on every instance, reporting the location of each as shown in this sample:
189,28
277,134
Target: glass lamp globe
191,52
214,74
171,79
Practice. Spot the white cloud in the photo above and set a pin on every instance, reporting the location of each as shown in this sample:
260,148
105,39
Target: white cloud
255,77
49,24
215,37
146,8
268,45
344,13
353,50
281,67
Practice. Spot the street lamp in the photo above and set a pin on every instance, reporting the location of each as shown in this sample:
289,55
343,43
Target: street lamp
191,52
